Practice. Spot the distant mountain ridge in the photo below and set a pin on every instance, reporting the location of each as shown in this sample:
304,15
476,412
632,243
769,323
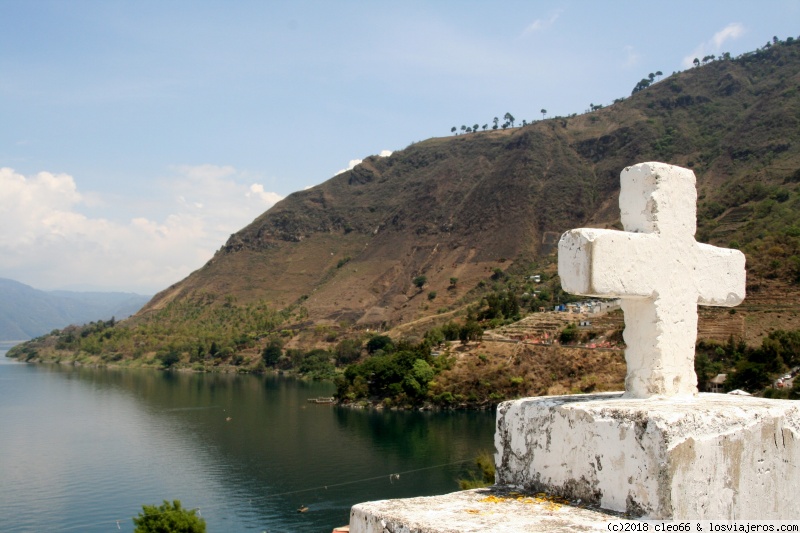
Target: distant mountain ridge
26,312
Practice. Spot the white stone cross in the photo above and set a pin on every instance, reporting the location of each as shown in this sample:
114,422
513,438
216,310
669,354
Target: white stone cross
659,272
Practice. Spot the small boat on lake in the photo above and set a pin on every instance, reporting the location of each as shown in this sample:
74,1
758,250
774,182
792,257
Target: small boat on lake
322,399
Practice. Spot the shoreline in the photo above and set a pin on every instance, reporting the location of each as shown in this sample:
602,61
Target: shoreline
375,405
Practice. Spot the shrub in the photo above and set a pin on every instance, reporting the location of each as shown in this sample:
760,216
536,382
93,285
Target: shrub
485,472
272,352
169,358
568,334
347,351
168,517
380,342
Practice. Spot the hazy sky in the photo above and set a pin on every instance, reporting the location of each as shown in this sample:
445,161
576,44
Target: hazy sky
136,136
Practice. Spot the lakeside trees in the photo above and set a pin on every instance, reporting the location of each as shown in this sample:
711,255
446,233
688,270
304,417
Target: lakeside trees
169,517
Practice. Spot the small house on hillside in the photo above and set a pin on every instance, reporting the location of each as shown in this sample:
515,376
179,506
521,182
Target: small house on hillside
715,385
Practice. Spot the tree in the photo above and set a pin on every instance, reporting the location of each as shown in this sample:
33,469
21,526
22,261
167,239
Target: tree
420,281
451,331
543,112
169,358
317,364
347,351
272,352
696,62
168,518
453,130
748,376
484,127
463,128
470,331
509,118
415,383
495,120
568,334
380,342
643,84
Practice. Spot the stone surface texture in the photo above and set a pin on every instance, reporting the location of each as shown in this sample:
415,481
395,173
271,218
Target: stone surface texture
479,510
707,457
659,272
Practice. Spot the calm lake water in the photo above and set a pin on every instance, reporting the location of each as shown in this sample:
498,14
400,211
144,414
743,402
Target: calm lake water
82,449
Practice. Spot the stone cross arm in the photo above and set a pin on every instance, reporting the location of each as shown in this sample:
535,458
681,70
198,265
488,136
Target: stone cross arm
618,264
659,272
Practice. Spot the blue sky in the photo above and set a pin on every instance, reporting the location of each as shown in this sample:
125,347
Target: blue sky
138,135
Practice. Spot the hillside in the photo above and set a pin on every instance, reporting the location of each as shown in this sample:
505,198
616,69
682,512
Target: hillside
406,243
461,206
26,312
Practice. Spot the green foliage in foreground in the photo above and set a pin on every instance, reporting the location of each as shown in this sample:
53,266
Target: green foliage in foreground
168,518
483,475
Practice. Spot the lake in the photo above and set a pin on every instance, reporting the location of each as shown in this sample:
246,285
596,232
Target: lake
81,449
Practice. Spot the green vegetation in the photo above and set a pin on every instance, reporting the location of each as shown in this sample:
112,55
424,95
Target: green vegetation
482,475
168,518
185,334
194,330
399,376
272,352
750,369
569,334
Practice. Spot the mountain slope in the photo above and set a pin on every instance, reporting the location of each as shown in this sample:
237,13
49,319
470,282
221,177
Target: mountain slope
459,207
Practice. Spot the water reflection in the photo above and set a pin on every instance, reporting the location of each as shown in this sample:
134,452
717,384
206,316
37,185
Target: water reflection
248,450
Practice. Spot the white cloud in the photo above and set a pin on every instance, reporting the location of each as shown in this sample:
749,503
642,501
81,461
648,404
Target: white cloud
541,24
631,57
355,162
350,166
714,45
52,243
731,31
257,190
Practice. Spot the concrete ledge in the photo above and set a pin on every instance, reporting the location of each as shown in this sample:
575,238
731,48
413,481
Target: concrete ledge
496,509
707,457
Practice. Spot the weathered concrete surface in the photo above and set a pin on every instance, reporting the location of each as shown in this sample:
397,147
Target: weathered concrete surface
659,271
496,510
707,457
